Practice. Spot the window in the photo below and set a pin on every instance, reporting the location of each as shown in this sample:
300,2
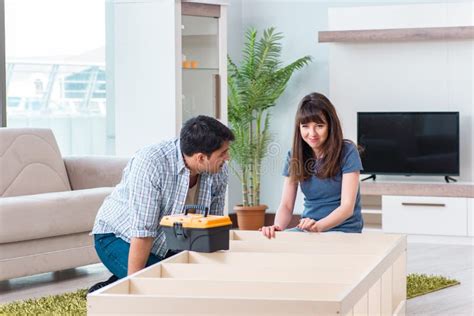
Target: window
55,71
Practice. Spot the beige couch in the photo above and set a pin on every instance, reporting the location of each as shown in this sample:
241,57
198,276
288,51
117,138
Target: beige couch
48,204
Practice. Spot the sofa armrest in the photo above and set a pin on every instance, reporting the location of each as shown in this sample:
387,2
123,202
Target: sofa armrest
87,172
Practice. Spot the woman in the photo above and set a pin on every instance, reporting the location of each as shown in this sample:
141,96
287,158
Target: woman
326,167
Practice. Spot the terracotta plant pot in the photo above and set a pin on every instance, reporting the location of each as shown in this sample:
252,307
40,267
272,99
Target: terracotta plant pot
250,217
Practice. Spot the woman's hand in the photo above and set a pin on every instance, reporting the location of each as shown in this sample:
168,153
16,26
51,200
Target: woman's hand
309,225
269,231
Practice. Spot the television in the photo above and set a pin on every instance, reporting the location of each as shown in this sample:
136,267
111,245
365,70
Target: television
409,143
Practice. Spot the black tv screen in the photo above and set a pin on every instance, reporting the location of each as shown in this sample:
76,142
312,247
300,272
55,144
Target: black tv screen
409,143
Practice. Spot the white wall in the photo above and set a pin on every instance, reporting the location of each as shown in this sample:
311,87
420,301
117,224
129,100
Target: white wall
235,34
405,76
300,22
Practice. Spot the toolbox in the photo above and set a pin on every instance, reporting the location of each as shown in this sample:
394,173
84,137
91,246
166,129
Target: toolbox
196,232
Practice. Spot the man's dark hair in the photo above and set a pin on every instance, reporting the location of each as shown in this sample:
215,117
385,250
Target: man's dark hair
203,134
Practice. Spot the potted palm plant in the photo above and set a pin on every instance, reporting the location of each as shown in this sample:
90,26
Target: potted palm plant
254,87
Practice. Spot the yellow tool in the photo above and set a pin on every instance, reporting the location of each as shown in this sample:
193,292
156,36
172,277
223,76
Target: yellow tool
196,232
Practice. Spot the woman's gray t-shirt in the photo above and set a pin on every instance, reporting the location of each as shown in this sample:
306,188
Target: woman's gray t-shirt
322,196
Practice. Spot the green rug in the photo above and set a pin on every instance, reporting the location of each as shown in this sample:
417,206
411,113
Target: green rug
75,303
421,284
66,304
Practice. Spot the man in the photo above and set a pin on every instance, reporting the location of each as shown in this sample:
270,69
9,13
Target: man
159,180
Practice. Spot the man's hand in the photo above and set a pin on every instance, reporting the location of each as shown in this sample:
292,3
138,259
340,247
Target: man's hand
309,225
138,254
269,231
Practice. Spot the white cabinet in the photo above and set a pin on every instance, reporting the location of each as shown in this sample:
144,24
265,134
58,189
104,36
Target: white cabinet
425,215
470,217
166,62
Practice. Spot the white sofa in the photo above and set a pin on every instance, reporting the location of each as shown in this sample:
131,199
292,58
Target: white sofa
48,204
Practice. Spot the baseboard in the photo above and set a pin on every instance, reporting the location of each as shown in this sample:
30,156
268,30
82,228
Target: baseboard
444,240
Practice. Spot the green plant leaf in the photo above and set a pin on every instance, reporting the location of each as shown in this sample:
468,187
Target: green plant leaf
254,88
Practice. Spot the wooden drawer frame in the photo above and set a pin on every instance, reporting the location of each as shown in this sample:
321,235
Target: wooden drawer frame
296,273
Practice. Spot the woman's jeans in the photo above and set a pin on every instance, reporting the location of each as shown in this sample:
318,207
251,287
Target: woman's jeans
299,230
113,252
294,229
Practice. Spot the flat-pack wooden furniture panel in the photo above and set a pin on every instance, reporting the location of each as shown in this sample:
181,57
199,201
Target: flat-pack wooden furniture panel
295,273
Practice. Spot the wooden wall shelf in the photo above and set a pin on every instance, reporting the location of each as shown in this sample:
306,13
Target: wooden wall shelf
465,190
398,35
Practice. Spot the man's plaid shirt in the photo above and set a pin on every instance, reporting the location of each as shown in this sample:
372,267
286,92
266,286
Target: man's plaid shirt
155,183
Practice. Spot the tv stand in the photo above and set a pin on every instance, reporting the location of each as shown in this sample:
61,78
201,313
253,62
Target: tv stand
420,209
447,178
373,176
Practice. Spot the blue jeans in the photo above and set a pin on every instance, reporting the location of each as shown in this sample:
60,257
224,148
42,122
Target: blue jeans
294,229
113,252
298,230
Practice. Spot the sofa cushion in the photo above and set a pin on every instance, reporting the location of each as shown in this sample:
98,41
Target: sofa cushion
25,248
30,162
49,214
94,171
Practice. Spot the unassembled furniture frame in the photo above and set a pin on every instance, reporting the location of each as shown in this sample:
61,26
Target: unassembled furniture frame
296,273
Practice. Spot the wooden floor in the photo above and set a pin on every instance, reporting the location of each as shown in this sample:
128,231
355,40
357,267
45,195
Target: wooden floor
448,260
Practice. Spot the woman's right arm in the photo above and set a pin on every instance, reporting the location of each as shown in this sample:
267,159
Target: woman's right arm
285,210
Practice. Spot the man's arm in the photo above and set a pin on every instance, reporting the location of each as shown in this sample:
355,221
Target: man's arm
138,255
144,198
218,192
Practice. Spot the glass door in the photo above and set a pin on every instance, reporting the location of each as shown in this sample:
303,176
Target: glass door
200,67
55,72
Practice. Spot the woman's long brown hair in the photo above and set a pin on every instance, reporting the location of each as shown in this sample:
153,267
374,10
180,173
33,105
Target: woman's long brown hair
315,107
